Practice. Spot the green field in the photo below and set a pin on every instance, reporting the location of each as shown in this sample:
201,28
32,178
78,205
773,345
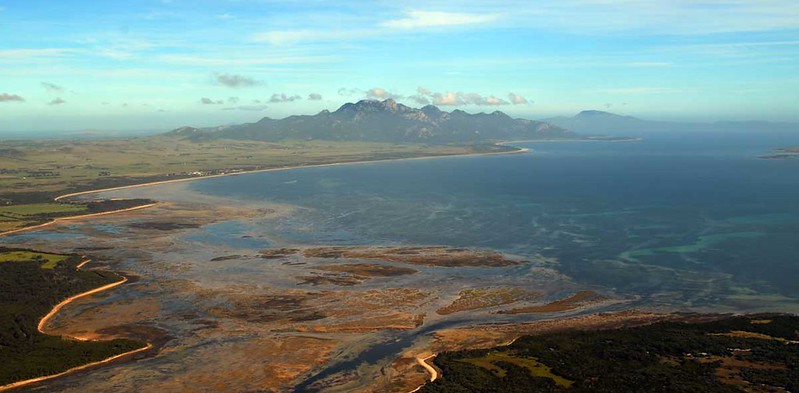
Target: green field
46,261
492,361
18,216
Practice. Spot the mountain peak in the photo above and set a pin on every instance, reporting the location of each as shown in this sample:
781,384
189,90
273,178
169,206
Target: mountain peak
186,130
390,121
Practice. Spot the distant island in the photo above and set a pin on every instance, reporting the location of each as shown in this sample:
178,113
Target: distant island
601,122
786,153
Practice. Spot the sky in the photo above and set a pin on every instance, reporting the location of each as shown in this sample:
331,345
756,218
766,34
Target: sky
160,64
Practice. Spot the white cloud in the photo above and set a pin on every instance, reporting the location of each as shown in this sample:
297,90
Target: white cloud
377,93
415,19
458,98
314,97
57,101
516,99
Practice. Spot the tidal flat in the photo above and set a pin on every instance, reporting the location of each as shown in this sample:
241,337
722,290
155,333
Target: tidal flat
339,278
232,308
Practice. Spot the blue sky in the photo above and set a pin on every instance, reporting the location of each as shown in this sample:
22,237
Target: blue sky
73,65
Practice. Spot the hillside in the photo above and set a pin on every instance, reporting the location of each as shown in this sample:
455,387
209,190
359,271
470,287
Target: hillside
386,121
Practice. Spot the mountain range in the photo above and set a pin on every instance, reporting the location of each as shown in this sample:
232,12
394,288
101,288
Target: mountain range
599,122
386,121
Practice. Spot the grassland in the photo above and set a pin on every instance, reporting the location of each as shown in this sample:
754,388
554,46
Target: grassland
18,216
492,361
46,260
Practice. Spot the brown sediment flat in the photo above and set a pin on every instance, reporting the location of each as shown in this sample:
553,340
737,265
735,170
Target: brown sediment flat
277,253
487,336
344,281
163,225
473,299
397,321
579,299
368,270
226,258
427,256
261,364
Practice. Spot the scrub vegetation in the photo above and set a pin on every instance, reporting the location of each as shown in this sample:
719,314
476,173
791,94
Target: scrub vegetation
746,353
29,289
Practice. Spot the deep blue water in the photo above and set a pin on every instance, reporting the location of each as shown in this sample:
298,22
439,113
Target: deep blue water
685,220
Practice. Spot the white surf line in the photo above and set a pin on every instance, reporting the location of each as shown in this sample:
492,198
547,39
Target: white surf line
433,372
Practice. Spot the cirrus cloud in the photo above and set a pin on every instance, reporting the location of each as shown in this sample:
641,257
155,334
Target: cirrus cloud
419,19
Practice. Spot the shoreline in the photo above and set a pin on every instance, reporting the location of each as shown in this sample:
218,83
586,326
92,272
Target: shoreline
52,313
518,150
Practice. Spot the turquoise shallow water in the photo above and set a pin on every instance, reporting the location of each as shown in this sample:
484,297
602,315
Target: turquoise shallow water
685,221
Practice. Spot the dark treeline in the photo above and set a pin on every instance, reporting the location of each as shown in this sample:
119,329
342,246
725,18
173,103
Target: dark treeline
27,293
664,357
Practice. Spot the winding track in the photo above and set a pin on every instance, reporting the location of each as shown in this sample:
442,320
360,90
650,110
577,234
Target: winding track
433,372
53,312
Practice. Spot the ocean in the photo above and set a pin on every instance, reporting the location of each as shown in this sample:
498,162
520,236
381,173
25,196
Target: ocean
685,222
